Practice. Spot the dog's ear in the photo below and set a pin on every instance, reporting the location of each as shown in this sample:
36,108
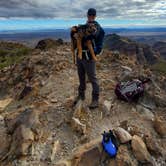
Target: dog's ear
74,29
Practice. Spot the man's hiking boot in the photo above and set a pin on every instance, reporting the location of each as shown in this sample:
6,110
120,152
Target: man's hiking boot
77,99
94,104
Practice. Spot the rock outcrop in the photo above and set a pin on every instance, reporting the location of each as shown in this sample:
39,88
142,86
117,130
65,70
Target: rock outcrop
143,52
122,135
140,151
49,43
161,48
123,158
4,137
160,126
86,153
24,129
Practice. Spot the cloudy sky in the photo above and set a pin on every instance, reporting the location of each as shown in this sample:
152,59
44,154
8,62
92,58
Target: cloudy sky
22,14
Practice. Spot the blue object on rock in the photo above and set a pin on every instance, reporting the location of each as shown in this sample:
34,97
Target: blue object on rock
109,143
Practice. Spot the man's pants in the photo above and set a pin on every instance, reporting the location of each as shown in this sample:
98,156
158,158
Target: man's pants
87,67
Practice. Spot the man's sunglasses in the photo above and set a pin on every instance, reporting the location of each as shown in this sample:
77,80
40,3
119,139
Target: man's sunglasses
91,15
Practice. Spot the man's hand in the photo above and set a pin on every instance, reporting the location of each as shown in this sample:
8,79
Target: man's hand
98,58
95,59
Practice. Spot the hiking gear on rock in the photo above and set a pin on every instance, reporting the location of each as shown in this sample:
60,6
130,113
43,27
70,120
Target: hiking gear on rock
109,143
94,104
130,90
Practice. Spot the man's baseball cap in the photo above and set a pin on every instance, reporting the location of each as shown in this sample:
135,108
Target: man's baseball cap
91,12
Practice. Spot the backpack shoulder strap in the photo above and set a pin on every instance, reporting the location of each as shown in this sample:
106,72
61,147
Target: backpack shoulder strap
99,40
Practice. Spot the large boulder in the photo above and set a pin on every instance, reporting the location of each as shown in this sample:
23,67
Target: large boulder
89,158
88,154
29,118
146,113
48,43
140,150
24,129
122,135
160,126
123,158
153,146
22,139
134,128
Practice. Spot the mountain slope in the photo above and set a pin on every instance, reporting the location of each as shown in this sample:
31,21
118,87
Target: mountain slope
42,127
161,47
144,53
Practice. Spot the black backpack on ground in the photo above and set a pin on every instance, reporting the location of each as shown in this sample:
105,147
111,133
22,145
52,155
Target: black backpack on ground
130,90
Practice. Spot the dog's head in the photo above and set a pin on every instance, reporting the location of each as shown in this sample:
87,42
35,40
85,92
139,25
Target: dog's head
87,29
91,29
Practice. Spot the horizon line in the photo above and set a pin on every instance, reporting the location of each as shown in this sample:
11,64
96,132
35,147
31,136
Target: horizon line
105,27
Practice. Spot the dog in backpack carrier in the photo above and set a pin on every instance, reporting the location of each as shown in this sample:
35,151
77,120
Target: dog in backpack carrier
131,90
77,33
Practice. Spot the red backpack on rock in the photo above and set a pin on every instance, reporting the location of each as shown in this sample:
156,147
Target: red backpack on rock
130,90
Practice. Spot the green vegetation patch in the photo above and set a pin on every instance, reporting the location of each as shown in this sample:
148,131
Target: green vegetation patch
160,67
12,56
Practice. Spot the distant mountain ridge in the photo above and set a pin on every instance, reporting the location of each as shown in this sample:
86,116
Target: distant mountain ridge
143,52
31,37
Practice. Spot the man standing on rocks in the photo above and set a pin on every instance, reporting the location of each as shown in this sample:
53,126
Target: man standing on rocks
87,65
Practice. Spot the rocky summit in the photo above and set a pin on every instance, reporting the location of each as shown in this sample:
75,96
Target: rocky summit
39,125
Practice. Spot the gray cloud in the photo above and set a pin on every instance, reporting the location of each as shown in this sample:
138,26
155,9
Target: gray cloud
122,9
